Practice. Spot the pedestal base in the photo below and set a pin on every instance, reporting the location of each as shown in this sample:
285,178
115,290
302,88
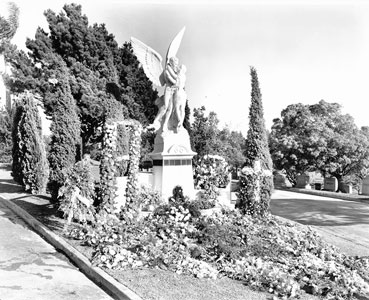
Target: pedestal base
172,163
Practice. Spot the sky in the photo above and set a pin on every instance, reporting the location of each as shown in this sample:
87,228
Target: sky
303,51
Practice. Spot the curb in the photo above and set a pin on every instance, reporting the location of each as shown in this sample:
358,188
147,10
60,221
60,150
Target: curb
111,286
333,195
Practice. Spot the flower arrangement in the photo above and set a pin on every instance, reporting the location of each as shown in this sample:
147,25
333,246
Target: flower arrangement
211,172
254,192
148,198
113,165
77,194
211,169
268,254
108,167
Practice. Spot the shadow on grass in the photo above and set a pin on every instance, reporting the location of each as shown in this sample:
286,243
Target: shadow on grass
10,186
321,212
44,212
6,167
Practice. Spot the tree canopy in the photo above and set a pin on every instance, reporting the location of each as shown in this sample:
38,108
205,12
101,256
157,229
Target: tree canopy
319,138
207,138
103,78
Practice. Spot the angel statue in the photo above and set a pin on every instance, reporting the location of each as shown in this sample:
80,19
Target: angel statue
172,77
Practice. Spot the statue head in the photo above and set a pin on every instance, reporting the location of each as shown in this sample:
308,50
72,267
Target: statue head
173,61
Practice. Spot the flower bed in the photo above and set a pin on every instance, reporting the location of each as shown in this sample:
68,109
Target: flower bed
211,173
271,255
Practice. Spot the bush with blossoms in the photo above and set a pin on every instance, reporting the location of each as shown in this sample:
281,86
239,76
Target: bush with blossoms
211,172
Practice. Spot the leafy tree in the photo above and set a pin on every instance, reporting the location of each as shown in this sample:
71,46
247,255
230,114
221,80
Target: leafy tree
30,166
205,132
206,138
233,146
319,138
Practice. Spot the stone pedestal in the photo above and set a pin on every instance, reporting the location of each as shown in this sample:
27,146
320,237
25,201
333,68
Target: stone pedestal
172,163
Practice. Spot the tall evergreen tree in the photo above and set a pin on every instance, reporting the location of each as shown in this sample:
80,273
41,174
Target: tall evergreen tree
256,188
103,77
257,141
30,166
88,52
65,127
186,121
135,88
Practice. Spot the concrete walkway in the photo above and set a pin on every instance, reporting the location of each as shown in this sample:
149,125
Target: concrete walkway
30,268
342,223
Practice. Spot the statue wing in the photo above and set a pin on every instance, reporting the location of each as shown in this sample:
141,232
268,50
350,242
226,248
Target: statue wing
174,45
150,60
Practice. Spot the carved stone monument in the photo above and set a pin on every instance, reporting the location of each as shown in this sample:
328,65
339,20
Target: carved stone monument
280,180
331,184
303,181
172,155
365,186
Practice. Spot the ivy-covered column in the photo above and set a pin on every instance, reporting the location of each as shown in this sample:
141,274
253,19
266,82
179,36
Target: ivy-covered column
134,160
108,167
251,195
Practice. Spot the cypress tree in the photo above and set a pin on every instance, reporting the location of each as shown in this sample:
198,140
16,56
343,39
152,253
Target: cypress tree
256,147
17,145
30,166
65,127
186,121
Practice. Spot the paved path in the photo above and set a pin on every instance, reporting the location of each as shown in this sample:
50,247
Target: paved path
344,224
30,268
